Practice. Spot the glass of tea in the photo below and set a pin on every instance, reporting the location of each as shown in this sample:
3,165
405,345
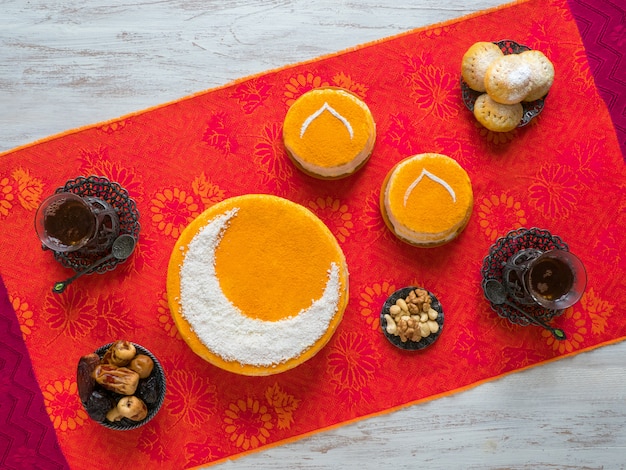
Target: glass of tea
67,222
556,279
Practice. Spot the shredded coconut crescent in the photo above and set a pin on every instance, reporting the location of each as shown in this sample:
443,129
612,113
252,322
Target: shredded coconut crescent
228,332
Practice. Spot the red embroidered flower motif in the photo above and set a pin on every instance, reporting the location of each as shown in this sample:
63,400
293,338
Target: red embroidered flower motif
336,216
372,219
564,7
400,132
61,401
371,300
499,215
542,39
98,162
598,310
471,345
555,191
284,405
607,249
432,88
299,85
576,330
29,189
24,315
353,364
151,443
172,210
587,166
248,423
345,81
201,453
252,93
269,154
145,253
114,318
462,149
216,136
165,318
208,192
583,78
73,313
6,197
515,357
193,397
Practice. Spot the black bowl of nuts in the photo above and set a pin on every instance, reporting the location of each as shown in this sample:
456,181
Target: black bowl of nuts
412,318
121,385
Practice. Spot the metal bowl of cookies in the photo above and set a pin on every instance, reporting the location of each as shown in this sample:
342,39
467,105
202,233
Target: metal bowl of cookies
505,83
121,385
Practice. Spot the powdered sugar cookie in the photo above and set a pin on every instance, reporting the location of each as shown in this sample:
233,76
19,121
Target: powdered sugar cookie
496,116
476,61
541,74
508,79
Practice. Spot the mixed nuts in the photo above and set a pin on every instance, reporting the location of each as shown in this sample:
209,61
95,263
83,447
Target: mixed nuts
412,318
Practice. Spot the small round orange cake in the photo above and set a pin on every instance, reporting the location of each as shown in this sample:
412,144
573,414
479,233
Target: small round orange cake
257,284
329,133
426,200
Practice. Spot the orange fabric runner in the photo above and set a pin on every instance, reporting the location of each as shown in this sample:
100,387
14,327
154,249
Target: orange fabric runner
564,173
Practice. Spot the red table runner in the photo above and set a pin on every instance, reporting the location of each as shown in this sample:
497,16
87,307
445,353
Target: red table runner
563,173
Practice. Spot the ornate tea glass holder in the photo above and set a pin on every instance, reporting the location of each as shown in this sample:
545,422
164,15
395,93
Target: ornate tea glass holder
106,195
514,274
108,228
501,252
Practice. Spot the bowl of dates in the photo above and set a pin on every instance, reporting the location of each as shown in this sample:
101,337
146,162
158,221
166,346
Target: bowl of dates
121,385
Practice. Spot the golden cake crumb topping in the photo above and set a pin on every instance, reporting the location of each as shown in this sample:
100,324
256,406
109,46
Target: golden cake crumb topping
429,194
329,128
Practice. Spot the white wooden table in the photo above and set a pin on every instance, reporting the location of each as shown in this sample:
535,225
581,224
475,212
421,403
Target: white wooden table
69,63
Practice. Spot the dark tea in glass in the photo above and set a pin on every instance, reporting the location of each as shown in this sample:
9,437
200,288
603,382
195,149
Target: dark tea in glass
65,222
70,222
556,279
551,278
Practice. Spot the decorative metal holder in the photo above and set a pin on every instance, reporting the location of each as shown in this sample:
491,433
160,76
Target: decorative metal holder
108,229
506,257
123,218
531,109
513,275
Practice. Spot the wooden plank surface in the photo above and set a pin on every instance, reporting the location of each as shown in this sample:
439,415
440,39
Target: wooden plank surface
69,63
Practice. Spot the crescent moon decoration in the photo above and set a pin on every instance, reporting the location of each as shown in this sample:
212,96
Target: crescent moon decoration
331,110
228,332
435,178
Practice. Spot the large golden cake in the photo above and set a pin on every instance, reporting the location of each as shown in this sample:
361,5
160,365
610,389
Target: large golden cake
257,284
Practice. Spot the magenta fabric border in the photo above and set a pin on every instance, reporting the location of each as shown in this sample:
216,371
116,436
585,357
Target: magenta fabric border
602,26
27,438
